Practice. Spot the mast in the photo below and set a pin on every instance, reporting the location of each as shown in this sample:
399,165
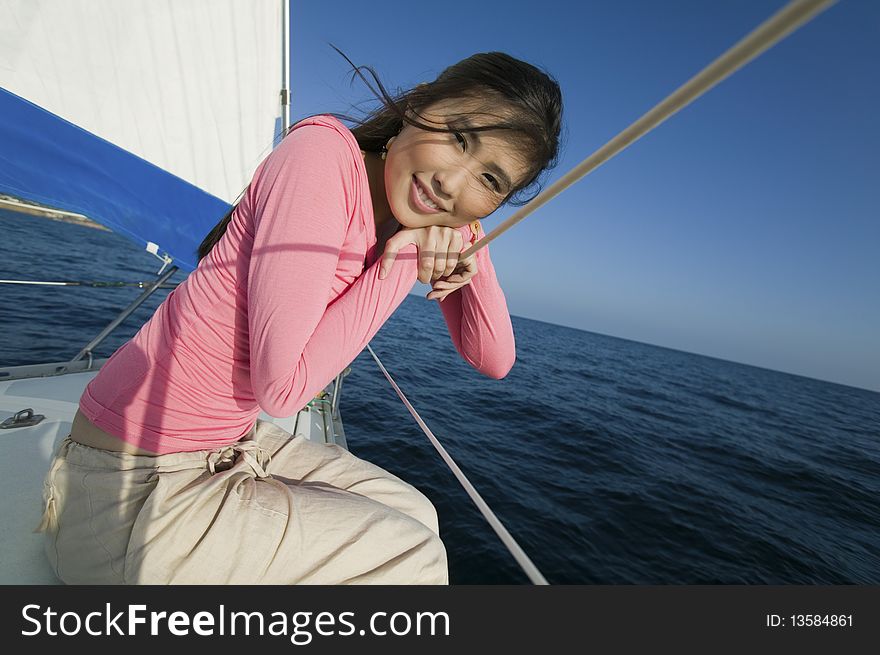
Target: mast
285,64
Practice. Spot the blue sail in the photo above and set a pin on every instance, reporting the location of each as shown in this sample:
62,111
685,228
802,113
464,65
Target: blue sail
46,159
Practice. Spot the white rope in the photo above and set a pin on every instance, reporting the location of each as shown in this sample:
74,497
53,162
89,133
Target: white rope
140,285
774,29
518,553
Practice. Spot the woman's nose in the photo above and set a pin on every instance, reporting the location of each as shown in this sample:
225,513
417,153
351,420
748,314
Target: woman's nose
449,181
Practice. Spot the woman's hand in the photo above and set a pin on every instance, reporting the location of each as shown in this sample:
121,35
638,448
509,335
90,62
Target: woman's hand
440,263
462,275
438,246
464,271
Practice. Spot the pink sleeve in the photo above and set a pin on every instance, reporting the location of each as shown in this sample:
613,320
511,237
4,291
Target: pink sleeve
303,197
478,320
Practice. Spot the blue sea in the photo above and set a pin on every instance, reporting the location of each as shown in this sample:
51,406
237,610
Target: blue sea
610,461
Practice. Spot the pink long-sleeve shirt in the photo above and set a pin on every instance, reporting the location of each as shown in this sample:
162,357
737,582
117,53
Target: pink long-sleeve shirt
285,300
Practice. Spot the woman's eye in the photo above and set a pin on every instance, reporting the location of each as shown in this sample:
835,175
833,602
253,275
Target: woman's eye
494,182
461,140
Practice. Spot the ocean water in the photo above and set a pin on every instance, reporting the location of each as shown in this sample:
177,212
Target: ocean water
610,461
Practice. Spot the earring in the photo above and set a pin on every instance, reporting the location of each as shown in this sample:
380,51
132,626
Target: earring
384,151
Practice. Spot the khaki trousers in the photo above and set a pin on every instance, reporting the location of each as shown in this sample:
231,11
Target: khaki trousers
269,509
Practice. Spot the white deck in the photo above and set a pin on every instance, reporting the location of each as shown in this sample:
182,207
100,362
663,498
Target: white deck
26,453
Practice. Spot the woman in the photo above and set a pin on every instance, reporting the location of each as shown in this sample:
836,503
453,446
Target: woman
168,476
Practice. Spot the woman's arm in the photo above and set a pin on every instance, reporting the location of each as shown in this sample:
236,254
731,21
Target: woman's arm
303,197
478,320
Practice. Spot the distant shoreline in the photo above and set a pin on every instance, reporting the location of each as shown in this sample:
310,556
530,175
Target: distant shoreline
35,209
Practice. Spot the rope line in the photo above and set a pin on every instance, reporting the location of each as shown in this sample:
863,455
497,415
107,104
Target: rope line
767,34
518,553
140,285
774,29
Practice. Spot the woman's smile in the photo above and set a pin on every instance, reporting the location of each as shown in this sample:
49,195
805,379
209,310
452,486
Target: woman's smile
421,199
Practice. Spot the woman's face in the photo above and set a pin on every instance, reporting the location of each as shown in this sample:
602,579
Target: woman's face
466,175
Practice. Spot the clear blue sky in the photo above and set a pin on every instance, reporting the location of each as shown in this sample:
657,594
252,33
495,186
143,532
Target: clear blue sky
746,227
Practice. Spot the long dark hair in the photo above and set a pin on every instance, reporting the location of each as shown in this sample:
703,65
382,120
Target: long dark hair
526,101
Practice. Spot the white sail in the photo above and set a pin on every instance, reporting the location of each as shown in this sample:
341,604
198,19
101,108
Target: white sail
191,86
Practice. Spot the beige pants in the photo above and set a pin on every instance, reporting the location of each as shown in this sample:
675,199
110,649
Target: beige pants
270,509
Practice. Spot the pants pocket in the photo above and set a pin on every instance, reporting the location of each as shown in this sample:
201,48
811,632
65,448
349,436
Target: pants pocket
49,520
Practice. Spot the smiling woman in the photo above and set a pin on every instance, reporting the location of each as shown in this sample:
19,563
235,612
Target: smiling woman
476,138
287,293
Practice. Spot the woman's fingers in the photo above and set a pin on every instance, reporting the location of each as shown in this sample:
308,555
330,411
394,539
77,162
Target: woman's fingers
439,295
440,260
439,249
446,255
451,262
444,287
453,251
466,269
392,247
427,257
